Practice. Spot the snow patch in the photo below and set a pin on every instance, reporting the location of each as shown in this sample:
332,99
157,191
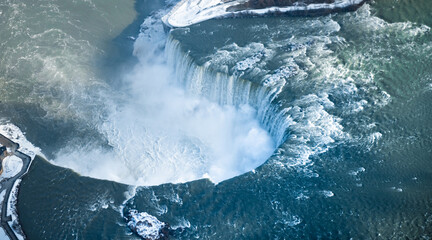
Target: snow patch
11,166
12,211
15,134
188,12
3,234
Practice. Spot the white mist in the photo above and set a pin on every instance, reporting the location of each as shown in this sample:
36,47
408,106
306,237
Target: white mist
162,134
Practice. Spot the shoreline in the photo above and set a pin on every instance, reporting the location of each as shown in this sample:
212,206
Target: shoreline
10,185
182,16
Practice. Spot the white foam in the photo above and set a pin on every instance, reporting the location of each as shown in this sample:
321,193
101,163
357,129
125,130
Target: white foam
129,194
248,62
327,193
102,202
252,55
143,153
302,196
145,225
160,133
397,189
312,130
279,77
183,223
374,137
289,220
357,171
358,106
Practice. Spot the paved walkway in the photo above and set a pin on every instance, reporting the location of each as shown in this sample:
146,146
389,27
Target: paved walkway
7,184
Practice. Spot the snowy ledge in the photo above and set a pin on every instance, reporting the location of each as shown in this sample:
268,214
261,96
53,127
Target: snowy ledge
188,12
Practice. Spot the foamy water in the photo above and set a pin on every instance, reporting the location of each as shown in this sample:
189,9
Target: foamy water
162,134
345,99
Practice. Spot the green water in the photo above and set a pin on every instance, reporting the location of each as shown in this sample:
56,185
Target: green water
52,51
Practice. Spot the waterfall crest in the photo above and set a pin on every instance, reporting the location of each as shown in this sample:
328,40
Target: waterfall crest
226,89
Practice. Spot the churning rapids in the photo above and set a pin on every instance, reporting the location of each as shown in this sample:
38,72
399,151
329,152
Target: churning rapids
180,123
308,127
177,120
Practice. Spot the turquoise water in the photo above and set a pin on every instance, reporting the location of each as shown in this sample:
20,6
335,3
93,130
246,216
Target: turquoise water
344,98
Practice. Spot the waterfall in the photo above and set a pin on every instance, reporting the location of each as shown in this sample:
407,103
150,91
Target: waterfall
226,89
180,119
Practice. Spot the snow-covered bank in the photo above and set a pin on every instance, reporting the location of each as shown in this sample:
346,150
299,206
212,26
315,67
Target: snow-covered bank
12,166
13,212
16,135
188,12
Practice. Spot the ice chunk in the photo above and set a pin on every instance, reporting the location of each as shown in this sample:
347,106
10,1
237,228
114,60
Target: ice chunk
146,225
